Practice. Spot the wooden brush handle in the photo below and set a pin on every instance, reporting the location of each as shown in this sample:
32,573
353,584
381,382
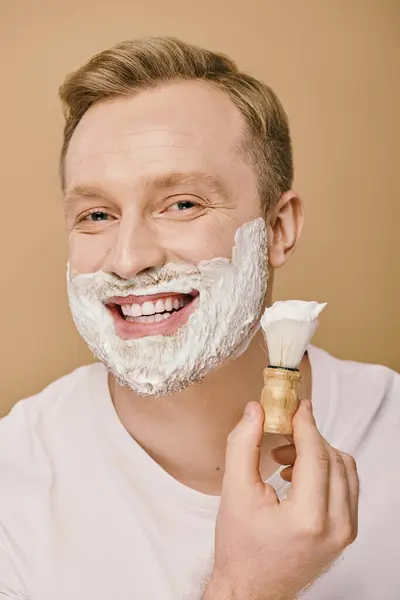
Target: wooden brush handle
280,399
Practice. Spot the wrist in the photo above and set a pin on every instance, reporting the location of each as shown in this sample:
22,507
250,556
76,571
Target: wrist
218,588
223,588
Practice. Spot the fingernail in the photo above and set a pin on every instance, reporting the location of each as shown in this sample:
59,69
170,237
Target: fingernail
250,411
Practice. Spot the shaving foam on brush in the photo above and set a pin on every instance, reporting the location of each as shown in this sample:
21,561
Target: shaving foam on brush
288,327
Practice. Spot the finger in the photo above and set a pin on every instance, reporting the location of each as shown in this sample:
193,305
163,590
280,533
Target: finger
242,465
284,455
287,473
354,488
310,480
339,494
343,500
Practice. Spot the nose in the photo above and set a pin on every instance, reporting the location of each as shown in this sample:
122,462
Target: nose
135,249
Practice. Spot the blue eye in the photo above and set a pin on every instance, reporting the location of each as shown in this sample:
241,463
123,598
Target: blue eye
185,204
97,215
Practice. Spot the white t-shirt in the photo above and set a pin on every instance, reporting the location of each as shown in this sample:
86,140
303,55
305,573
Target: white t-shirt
86,514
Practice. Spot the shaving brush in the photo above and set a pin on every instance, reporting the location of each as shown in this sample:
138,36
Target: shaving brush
288,327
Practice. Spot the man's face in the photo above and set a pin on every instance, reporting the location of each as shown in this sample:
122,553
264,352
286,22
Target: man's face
155,186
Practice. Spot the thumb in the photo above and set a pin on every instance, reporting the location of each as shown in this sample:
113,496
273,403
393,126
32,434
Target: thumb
242,464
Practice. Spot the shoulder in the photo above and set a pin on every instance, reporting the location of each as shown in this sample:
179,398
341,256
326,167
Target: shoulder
10,583
353,399
33,421
42,440
375,378
59,395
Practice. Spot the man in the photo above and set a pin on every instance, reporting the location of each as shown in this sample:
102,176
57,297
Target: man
177,175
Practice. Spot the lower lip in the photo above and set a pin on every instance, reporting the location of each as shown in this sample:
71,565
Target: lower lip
132,331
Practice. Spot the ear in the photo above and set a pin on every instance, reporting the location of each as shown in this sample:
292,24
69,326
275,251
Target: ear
284,228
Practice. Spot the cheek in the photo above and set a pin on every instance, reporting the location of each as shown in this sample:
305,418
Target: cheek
87,253
194,241
204,239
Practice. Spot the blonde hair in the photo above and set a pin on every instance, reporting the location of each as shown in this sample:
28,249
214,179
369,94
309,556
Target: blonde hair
145,63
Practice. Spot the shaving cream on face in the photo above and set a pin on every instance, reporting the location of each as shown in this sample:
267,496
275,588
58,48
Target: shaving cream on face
232,294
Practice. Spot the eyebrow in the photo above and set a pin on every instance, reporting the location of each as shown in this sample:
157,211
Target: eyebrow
167,181
175,178
85,191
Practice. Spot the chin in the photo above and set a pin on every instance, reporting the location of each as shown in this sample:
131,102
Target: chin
213,314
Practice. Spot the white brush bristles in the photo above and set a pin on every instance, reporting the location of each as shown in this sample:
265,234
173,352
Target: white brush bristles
288,327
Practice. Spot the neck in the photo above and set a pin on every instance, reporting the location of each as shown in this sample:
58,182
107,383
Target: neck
186,433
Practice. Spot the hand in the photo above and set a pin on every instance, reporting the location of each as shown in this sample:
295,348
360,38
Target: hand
271,550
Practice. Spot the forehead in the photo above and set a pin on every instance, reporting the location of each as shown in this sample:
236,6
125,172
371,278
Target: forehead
180,125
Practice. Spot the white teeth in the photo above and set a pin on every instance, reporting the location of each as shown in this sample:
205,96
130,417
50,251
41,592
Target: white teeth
136,310
149,319
126,309
144,319
131,310
148,308
160,306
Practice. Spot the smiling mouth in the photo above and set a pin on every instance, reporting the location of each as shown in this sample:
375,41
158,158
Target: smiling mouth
150,309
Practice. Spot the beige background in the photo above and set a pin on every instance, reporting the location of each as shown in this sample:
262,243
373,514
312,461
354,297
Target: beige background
334,64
